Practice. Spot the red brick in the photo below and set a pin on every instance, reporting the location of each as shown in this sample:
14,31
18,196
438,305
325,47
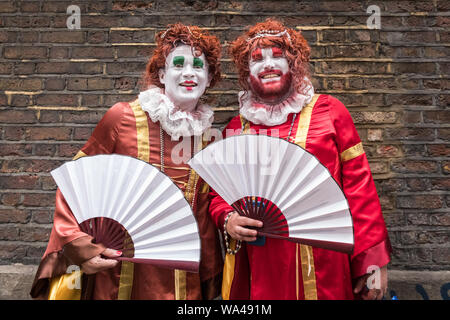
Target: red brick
11,199
17,116
420,202
22,52
38,199
30,84
47,99
34,233
14,216
414,166
42,216
19,182
439,150
72,36
15,149
49,133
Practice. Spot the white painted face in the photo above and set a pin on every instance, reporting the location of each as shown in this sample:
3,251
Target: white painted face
185,77
270,77
264,60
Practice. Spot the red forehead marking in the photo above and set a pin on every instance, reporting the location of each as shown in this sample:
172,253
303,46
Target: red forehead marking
277,52
257,54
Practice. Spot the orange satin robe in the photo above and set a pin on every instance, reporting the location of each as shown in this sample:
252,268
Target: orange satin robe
284,270
126,129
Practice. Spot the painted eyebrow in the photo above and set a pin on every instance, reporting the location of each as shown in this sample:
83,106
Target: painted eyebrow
178,60
257,54
198,62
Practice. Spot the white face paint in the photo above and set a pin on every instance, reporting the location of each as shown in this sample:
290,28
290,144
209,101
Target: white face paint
264,60
185,77
270,77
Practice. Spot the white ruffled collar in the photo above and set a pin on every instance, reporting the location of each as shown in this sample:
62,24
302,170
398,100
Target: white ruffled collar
177,123
271,115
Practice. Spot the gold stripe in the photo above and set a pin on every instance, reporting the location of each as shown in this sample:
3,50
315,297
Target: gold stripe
306,252
308,272
143,151
79,155
180,284
141,131
352,152
64,287
303,122
228,272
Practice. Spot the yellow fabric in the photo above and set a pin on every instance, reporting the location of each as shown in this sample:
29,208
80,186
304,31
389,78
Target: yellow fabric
66,287
352,152
228,272
80,154
306,252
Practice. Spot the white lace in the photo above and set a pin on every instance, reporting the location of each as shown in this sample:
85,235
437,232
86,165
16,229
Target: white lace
271,115
176,122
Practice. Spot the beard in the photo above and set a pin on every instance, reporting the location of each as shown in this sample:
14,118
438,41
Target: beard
271,92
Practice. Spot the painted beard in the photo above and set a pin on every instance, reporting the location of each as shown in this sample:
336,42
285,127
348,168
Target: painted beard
271,92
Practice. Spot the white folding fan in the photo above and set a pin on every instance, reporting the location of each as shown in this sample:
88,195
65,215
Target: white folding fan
129,205
280,184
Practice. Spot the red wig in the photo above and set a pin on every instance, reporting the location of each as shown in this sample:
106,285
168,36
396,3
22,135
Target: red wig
177,34
294,46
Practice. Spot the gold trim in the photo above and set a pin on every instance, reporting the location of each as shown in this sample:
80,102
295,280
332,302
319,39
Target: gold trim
303,122
142,132
306,252
62,287
308,272
228,272
180,284
79,155
352,152
143,151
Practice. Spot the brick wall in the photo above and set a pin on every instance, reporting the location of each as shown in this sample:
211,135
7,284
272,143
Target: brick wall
57,83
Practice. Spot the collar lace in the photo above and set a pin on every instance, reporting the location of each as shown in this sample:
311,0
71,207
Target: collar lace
176,122
271,115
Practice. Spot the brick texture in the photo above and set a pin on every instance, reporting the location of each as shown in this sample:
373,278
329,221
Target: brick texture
56,83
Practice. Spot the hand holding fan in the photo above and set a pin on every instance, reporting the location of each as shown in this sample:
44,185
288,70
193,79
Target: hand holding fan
129,205
280,184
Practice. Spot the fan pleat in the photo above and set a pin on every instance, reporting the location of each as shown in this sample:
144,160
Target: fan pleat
165,229
160,216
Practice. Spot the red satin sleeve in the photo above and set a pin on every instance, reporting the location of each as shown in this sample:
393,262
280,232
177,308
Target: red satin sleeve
371,238
219,208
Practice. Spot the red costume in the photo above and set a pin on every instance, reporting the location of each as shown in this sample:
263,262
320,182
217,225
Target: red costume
284,270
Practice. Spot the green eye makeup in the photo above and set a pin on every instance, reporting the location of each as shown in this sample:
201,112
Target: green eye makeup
178,61
198,63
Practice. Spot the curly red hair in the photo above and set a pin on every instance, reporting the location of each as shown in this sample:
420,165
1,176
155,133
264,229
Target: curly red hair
295,48
177,34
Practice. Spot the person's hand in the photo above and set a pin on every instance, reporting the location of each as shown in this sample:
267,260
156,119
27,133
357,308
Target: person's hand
236,227
374,293
97,263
